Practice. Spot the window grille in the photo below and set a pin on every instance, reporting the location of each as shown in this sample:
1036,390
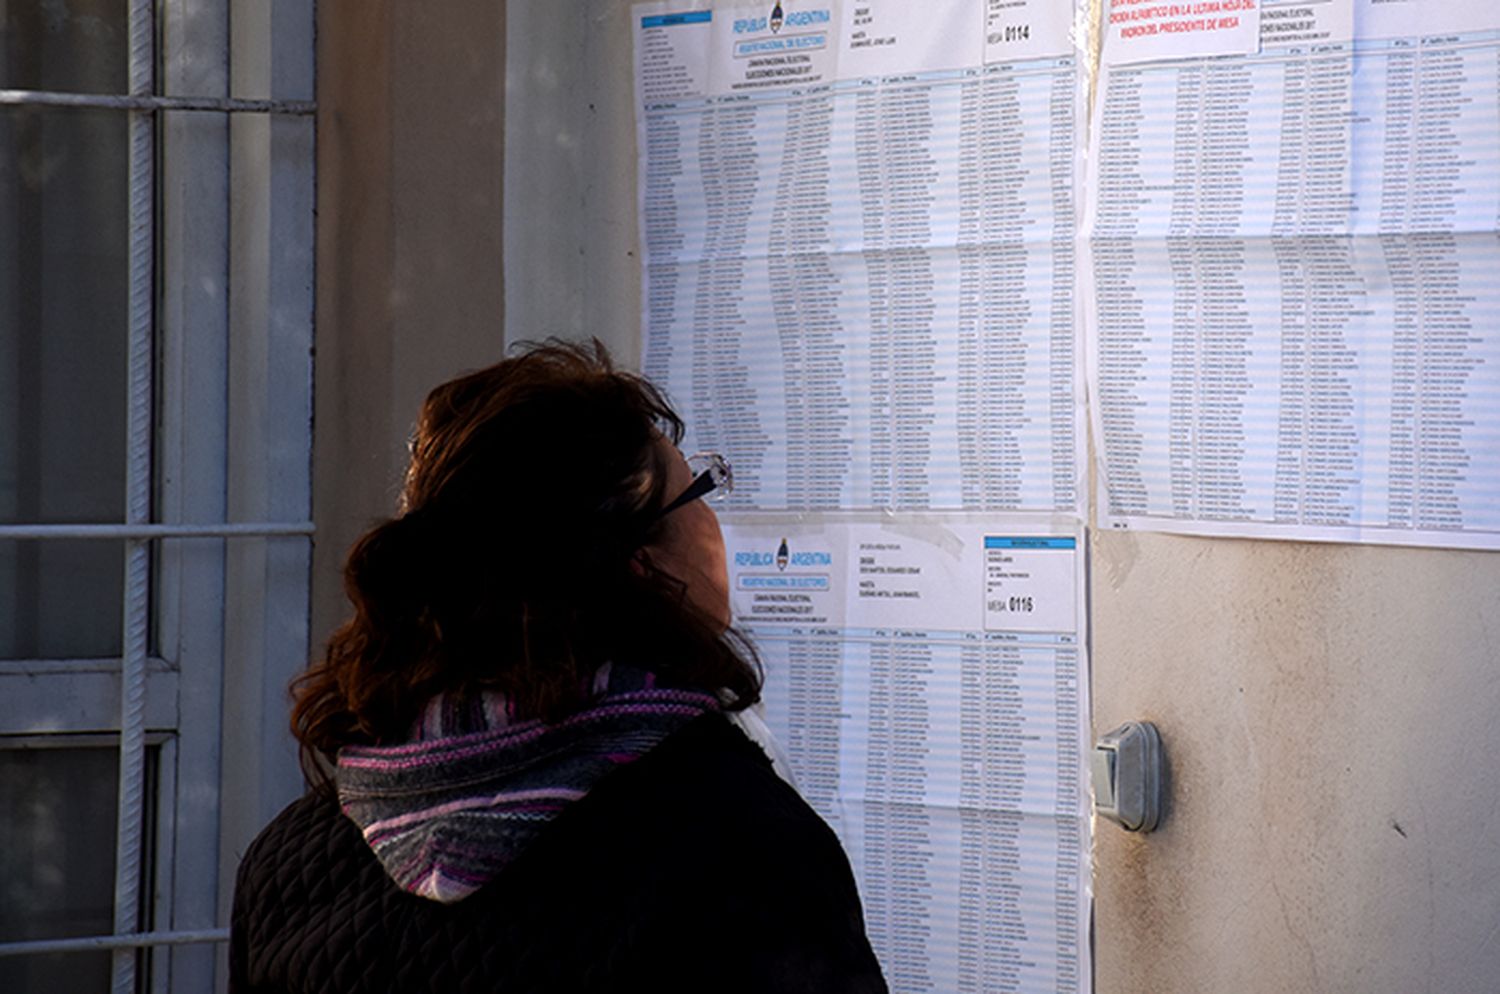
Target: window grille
243,45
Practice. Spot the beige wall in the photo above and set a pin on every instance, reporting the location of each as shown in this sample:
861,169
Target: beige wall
1329,712
570,248
410,292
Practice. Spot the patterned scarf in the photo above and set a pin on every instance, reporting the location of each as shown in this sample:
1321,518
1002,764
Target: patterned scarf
448,810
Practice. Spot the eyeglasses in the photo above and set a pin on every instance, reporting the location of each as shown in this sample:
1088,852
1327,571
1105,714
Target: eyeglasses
712,480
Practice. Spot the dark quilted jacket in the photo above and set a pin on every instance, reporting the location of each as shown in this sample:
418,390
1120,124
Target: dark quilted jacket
695,868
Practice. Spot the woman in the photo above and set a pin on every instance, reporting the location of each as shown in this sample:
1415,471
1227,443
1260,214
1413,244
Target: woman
536,784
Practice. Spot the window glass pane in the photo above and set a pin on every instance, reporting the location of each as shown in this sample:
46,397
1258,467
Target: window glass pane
61,599
78,46
57,861
63,317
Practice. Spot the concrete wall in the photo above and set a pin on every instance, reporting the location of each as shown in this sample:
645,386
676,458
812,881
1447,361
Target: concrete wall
571,240
410,290
1329,711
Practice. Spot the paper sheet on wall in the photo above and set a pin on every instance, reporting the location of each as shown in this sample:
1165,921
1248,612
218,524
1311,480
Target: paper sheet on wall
858,233
927,680
1292,274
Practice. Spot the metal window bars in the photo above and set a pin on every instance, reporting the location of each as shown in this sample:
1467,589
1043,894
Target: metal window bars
109,101
142,105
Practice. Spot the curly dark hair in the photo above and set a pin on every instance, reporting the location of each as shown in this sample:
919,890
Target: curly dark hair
519,562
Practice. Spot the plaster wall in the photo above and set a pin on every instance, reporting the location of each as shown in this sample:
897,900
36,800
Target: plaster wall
570,205
410,131
1329,711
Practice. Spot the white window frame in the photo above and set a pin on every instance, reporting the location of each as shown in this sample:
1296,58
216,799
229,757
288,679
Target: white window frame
219,399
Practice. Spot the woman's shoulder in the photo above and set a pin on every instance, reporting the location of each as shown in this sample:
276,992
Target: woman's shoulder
718,764
309,838
707,790
314,814
726,851
697,843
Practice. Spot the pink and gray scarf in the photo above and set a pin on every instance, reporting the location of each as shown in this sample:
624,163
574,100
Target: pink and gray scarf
448,810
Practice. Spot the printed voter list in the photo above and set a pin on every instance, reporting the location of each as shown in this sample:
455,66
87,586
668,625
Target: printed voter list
858,252
1293,275
858,229
926,679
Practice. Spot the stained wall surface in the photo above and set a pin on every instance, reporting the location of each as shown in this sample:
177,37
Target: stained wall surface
410,293
570,206
1331,713
1328,712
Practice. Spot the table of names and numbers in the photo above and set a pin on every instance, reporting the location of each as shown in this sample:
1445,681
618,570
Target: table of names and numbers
859,283
858,272
1294,281
928,687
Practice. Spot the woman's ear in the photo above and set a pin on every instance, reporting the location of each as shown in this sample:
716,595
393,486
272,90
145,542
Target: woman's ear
640,563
